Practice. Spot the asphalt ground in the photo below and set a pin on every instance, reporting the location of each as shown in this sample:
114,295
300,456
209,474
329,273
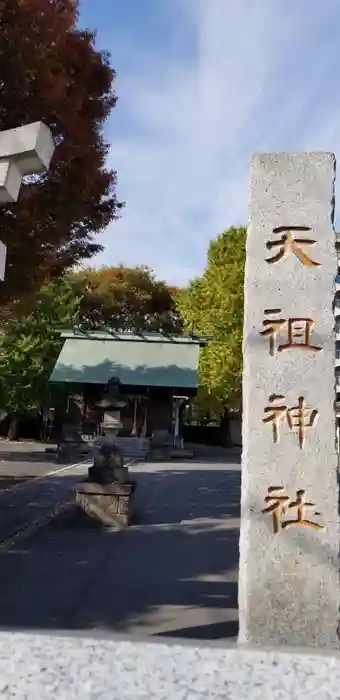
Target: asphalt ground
22,461
173,573
33,488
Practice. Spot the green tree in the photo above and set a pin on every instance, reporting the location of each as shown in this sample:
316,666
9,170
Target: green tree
212,306
29,348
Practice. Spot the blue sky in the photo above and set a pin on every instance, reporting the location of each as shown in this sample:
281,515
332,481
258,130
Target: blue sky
201,85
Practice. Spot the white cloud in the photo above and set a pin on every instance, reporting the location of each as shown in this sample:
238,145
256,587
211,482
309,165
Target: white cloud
259,77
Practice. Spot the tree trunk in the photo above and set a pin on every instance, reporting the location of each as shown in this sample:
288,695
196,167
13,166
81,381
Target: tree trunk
13,428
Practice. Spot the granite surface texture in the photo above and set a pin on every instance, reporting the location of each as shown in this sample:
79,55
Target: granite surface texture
59,667
289,581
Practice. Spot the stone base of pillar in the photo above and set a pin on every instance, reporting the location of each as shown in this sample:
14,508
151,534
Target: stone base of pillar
111,505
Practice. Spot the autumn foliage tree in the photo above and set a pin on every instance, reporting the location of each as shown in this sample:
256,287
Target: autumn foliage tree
126,299
51,71
212,306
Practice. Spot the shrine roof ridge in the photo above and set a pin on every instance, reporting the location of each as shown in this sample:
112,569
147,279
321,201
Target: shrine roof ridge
132,336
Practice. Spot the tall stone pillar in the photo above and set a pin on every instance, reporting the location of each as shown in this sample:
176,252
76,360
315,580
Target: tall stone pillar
289,543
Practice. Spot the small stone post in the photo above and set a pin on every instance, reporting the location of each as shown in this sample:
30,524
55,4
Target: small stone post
26,150
289,543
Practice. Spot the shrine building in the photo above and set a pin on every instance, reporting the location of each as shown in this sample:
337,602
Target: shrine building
156,374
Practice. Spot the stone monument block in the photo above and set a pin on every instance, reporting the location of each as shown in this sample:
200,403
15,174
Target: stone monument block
289,543
10,182
107,495
3,256
25,150
30,146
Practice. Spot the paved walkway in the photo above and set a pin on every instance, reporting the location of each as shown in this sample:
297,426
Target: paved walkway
21,462
32,485
174,573
31,502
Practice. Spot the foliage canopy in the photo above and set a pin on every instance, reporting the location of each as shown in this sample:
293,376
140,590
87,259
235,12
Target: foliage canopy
125,298
30,347
212,306
51,71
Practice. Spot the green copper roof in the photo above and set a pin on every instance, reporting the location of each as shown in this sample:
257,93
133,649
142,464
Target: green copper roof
148,360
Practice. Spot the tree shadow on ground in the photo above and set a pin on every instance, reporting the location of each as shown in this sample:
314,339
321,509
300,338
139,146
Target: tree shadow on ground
186,494
174,573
